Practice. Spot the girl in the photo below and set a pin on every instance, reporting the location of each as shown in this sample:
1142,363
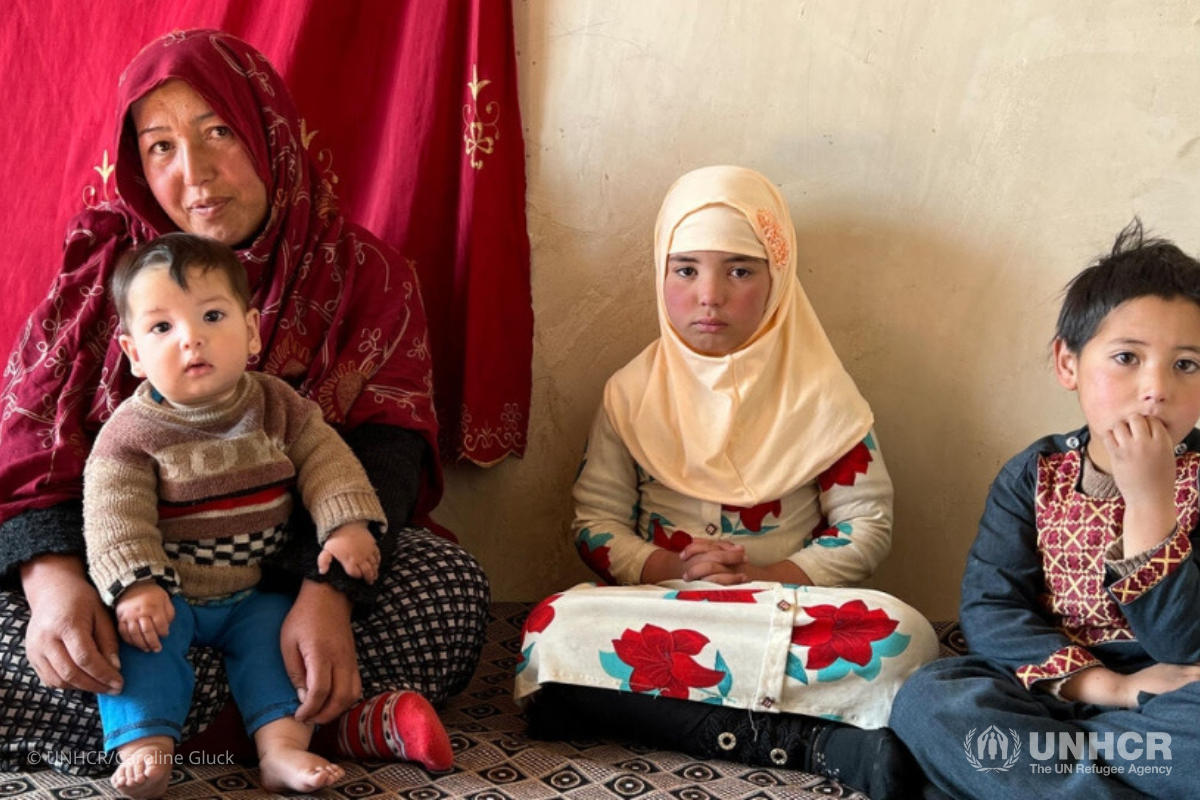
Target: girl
731,475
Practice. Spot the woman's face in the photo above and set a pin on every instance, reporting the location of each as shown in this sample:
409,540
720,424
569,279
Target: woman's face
198,171
715,300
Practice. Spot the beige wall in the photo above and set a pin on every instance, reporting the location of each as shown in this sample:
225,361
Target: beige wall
949,166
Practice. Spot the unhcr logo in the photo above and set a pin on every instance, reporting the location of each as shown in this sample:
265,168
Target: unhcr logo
1106,753
993,750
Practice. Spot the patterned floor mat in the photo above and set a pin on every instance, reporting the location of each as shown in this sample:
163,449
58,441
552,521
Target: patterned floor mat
494,760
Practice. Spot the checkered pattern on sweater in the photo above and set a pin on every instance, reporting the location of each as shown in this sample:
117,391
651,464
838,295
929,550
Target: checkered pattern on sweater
249,548
164,574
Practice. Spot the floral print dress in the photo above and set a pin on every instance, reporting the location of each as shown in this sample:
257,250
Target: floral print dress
828,651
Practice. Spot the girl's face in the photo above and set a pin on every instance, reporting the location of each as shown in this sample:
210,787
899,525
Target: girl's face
198,171
715,300
1144,361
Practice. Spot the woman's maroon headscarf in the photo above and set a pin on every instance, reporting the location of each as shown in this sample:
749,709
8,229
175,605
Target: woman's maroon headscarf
342,319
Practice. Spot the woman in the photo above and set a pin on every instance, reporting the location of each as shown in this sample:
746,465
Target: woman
209,143
731,480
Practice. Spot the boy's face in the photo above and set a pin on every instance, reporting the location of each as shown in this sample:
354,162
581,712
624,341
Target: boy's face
1143,361
191,345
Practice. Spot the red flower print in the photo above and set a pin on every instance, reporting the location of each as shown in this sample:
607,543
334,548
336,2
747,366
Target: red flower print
662,660
752,517
847,468
675,542
718,595
597,560
541,616
823,529
842,632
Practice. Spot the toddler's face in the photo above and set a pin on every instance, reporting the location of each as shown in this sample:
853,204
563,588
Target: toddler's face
192,345
1144,360
715,300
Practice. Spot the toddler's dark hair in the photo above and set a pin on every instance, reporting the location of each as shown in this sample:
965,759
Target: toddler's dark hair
1137,267
179,252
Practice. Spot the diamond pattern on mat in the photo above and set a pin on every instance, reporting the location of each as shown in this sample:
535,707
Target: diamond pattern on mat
495,760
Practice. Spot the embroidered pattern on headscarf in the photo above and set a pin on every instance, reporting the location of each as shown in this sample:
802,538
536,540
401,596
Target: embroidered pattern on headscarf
342,319
773,236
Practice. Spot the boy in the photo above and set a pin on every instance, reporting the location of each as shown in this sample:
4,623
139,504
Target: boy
1080,596
187,489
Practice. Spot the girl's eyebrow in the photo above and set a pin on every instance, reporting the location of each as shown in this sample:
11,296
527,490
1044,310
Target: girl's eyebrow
730,258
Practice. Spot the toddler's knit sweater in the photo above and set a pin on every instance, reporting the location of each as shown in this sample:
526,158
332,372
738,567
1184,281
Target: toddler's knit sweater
195,497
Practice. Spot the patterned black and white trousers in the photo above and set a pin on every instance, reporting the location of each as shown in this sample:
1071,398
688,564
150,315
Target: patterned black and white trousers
425,634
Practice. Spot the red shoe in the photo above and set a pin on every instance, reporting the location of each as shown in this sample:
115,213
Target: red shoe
395,726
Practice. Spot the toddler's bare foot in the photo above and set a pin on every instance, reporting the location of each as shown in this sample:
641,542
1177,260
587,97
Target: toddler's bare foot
145,767
289,770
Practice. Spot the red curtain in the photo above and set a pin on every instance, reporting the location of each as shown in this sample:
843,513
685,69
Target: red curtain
411,104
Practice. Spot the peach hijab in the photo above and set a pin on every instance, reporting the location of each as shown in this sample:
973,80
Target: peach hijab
756,424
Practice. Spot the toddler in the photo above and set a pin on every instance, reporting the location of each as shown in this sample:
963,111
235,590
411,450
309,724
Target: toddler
187,489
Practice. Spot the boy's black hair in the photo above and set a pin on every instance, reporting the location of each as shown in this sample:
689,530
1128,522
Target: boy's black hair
179,252
1137,267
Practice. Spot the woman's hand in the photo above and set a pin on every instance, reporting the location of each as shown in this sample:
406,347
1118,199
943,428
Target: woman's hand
318,651
71,642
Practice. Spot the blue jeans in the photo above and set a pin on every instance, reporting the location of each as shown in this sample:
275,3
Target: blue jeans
963,719
158,686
